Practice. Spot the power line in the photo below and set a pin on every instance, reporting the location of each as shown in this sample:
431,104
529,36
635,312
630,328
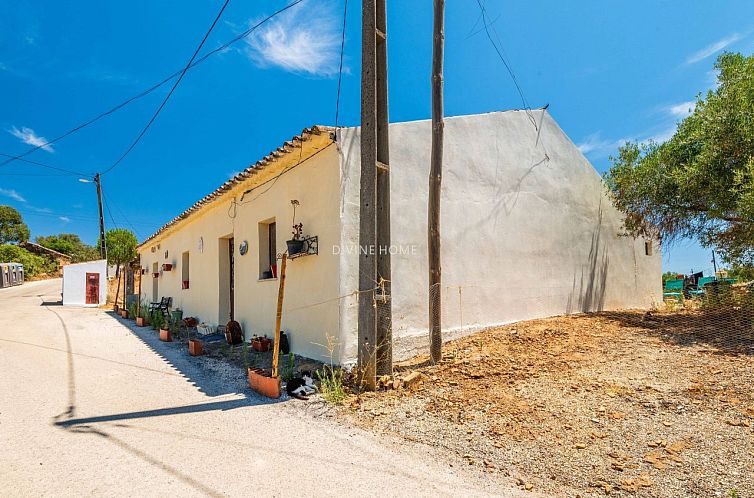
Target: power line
153,87
107,206
170,93
340,70
56,168
507,65
120,213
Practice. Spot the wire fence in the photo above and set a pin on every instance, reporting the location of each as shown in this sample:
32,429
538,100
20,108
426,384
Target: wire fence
719,313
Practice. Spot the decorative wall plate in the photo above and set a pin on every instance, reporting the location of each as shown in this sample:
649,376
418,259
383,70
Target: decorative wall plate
243,248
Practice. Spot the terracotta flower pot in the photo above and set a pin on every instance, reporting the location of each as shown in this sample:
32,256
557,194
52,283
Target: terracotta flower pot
165,335
196,347
262,344
116,309
167,267
261,382
140,321
124,313
156,274
185,284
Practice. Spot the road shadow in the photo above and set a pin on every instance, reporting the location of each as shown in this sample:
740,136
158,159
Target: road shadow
728,330
211,376
158,412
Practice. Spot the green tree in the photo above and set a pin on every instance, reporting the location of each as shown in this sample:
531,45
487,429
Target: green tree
70,244
33,265
12,226
700,183
121,250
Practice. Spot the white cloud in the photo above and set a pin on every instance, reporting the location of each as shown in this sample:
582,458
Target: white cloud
304,39
713,48
12,194
28,136
596,146
681,110
64,219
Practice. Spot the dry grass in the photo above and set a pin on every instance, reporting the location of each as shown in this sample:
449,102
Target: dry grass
622,403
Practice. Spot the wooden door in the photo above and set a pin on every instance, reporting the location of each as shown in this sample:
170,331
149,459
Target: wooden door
92,288
232,283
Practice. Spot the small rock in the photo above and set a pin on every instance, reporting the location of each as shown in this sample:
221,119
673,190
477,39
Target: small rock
580,446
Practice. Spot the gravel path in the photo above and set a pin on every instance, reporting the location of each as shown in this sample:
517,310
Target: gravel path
93,406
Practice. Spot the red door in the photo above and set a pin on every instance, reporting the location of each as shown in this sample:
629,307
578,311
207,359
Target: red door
92,288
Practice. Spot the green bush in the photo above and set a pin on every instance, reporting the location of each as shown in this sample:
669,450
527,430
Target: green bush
33,264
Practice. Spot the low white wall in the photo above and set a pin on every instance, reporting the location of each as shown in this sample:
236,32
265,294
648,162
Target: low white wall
74,282
527,230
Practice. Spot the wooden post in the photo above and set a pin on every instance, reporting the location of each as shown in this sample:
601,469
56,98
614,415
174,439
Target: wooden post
278,318
375,338
435,184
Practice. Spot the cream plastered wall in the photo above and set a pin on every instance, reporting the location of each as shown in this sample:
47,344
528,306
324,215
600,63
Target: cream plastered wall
527,230
311,304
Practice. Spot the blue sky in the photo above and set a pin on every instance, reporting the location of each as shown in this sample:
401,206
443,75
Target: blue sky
610,71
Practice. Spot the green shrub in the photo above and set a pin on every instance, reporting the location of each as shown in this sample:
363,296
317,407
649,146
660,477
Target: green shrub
331,384
289,369
33,264
158,320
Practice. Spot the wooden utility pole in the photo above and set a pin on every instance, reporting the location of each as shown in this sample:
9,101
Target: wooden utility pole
435,184
375,316
103,244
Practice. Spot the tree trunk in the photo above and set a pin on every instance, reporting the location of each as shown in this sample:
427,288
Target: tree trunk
117,288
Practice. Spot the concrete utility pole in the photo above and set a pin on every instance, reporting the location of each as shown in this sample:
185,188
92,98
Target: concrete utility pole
103,244
375,315
435,183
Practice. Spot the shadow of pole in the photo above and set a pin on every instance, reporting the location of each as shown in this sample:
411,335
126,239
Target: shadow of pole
70,412
147,458
159,412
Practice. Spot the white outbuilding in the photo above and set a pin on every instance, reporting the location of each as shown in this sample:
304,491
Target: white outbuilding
85,284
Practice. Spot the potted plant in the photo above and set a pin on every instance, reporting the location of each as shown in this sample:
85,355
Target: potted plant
296,244
132,310
166,330
185,285
262,382
143,316
156,274
167,267
261,344
157,320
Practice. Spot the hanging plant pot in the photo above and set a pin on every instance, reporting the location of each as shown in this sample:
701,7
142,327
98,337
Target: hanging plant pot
196,348
140,321
165,335
185,284
295,246
261,382
156,274
167,267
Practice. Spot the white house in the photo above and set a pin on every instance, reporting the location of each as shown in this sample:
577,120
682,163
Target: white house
85,284
527,231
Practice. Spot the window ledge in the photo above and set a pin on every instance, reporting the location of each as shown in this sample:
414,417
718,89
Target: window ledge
266,279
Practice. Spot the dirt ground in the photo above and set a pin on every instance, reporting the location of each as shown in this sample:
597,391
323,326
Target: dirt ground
622,403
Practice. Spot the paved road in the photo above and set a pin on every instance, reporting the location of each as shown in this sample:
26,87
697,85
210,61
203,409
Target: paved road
89,406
